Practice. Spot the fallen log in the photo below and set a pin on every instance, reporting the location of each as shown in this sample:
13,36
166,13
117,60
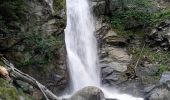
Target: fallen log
16,74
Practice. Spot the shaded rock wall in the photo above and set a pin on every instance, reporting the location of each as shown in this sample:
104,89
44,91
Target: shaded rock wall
20,47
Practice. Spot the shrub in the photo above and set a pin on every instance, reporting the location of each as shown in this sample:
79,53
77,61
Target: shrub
132,14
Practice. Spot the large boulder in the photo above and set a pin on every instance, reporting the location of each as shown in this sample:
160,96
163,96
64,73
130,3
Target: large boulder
159,93
88,93
165,77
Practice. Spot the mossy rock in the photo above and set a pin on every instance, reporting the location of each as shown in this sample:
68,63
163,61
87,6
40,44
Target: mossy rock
9,92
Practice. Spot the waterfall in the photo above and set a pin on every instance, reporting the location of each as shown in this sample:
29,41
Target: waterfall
82,48
81,44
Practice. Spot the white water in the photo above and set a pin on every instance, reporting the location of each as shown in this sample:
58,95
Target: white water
81,44
82,48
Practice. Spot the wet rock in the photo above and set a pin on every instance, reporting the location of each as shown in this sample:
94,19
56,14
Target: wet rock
147,89
88,93
113,78
165,77
133,87
159,93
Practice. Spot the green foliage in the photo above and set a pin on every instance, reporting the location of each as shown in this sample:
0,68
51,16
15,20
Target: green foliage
11,11
161,16
132,13
8,92
163,68
42,47
132,16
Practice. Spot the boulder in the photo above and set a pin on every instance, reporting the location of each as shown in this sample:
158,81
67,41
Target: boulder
88,93
165,77
159,93
147,72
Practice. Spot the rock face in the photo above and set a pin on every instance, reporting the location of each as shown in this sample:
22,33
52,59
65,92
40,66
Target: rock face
88,93
114,60
46,30
102,7
159,93
160,36
118,66
165,77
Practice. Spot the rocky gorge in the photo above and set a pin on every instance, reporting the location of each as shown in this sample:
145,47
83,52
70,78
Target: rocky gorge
133,60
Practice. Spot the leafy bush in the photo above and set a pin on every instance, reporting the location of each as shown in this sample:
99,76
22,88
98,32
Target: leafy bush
42,47
9,92
132,13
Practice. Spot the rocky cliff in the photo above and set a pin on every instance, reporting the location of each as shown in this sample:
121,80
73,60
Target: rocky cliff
35,43
132,53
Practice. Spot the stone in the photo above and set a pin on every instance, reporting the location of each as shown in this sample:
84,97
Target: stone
120,67
149,88
110,33
165,77
148,69
119,54
116,41
99,7
113,78
160,36
88,93
160,93
133,87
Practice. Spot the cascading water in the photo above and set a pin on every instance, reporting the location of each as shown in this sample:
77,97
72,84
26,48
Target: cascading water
81,44
82,48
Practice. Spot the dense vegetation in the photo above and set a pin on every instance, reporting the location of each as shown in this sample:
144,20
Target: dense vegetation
136,14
